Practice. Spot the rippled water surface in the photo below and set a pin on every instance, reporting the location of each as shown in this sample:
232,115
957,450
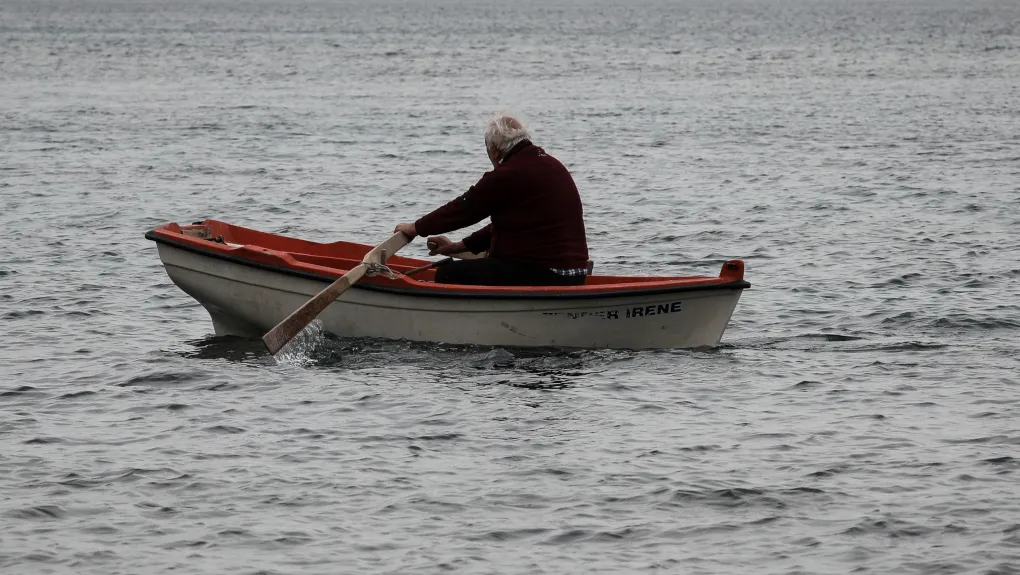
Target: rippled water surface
862,157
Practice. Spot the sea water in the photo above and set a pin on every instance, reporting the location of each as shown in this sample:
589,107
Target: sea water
862,157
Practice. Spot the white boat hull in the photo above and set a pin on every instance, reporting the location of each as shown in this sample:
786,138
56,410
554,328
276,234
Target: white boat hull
247,300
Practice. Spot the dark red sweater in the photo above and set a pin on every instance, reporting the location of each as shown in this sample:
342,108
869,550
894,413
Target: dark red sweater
534,207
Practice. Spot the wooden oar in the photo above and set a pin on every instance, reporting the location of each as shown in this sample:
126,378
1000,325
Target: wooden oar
441,262
302,316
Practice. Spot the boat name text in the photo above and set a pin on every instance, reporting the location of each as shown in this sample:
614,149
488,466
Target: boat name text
622,313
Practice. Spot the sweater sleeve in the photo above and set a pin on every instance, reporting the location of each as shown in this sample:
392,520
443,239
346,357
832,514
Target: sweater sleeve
474,206
479,241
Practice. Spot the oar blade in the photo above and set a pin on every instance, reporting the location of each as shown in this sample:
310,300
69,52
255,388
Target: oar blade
304,315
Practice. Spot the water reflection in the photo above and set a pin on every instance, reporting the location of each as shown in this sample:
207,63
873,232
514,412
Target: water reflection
231,348
531,368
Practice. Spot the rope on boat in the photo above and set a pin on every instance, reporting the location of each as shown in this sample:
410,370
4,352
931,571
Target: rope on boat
375,269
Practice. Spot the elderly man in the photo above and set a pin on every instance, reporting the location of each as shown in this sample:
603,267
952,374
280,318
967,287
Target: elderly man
536,235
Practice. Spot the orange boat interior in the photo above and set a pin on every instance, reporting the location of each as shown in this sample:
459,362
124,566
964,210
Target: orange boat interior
331,260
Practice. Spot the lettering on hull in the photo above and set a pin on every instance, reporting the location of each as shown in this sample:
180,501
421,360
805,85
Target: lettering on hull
622,313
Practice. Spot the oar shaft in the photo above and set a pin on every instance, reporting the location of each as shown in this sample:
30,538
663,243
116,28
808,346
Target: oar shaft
441,262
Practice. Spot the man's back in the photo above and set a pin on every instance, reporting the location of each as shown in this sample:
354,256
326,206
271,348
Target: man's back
536,215
536,236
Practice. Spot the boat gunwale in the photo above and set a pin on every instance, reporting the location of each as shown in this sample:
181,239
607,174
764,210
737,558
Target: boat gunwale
160,237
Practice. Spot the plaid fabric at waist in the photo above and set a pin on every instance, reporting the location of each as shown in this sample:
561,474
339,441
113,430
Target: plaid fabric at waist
570,271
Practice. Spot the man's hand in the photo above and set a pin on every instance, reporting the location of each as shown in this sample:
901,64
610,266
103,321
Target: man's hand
441,245
407,229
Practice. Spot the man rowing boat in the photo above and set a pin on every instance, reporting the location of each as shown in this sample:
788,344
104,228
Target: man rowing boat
536,236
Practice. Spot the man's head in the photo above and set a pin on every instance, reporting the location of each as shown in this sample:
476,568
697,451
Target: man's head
503,133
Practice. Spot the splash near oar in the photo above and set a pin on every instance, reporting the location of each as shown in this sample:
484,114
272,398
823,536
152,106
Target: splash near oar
302,316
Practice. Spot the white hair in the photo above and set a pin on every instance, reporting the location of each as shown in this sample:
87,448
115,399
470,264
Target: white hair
504,132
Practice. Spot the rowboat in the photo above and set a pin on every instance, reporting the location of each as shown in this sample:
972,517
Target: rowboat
249,281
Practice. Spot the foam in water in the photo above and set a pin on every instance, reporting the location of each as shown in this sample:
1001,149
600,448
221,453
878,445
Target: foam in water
299,350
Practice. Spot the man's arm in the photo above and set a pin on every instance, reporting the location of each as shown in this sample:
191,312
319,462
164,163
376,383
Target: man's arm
479,241
472,207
